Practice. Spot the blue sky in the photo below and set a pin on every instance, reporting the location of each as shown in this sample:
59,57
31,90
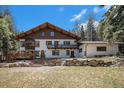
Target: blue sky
27,17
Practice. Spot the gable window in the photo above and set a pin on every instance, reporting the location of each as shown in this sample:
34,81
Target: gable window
37,43
67,52
48,42
101,48
22,43
55,52
66,42
42,34
52,33
80,50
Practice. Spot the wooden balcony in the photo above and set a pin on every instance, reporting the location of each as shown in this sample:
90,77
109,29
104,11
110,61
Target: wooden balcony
62,46
30,47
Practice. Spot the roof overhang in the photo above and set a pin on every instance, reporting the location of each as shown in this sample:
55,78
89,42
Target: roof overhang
43,26
99,42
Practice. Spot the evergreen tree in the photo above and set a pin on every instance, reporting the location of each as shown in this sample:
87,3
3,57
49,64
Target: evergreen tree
114,20
7,34
90,31
76,29
99,31
1,12
82,33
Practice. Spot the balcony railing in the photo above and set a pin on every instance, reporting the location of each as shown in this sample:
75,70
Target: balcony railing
30,47
62,46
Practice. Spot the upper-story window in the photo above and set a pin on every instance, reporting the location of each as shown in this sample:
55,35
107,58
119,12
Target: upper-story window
22,43
37,43
101,48
48,42
56,43
42,34
52,34
66,42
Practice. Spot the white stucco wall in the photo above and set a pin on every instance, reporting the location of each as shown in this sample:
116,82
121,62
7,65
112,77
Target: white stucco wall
48,52
91,49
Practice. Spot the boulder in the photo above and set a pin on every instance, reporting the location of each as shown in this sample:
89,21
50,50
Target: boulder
53,63
93,63
73,62
84,62
109,63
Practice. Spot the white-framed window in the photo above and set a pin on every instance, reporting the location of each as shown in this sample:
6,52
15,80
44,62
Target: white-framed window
101,48
55,52
67,52
56,42
37,43
48,42
52,34
66,42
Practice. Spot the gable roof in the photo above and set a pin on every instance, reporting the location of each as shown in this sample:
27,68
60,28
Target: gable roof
47,25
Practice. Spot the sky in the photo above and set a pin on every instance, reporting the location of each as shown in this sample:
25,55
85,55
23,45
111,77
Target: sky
26,16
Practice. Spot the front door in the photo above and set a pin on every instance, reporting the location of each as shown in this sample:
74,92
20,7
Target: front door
72,54
42,54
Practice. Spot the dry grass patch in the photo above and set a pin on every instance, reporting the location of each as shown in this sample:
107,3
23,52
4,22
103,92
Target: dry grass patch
62,77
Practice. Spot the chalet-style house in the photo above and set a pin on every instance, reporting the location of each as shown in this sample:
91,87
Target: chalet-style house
53,42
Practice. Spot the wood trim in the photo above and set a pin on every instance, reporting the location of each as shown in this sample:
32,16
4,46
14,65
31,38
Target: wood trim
43,26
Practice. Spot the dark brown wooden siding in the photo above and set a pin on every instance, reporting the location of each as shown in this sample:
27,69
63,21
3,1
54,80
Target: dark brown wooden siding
47,31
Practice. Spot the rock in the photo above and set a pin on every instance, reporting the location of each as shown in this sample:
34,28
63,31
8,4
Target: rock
85,62
108,63
73,62
93,63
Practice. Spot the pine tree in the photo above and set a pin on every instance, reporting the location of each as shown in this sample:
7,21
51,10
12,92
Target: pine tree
76,29
82,33
99,31
1,12
7,35
114,20
90,31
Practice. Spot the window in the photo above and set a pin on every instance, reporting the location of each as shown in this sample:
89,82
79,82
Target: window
42,34
55,52
37,43
103,48
22,43
30,43
80,50
51,33
66,42
48,42
37,53
56,43
67,52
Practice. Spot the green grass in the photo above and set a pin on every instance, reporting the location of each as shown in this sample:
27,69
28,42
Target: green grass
62,77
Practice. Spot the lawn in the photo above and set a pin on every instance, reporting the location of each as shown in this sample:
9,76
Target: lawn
62,77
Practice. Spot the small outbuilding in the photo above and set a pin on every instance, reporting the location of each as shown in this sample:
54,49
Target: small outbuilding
98,48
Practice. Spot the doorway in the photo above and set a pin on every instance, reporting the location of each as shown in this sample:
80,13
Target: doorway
72,54
42,54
